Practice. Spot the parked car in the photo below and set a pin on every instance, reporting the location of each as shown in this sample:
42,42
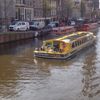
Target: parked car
44,31
72,23
19,26
36,25
53,24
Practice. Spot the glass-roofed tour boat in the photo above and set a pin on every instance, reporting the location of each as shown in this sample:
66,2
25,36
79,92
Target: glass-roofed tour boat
66,46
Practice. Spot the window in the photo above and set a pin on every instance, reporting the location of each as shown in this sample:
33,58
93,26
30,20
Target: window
49,44
23,1
19,24
23,23
80,42
73,45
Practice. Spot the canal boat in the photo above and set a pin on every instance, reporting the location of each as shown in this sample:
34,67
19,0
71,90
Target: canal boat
66,46
85,25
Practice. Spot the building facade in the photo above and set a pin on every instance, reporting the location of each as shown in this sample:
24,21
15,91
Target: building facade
45,8
38,8
24,10
95,4
27,9
16,9
76,9
85,8
7,11
92,8
53,6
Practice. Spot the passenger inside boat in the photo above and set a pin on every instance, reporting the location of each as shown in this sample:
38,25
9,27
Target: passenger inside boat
56,45
59,46
47,46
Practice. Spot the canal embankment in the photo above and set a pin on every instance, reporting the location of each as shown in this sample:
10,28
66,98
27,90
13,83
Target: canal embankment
10,36
15,36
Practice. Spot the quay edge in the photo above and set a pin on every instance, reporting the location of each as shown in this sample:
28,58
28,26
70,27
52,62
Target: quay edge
15,36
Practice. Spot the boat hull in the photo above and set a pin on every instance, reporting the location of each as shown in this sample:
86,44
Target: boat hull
63,30
64,56
53,56
86,27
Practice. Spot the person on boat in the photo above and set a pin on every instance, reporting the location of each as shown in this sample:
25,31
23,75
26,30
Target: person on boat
42,48
62,47
50,49
56,47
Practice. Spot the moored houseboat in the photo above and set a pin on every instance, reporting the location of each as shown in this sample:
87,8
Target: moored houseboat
63,30
85,25
66,46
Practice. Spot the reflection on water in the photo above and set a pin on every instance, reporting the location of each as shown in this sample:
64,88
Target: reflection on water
90,88
24,78
91,80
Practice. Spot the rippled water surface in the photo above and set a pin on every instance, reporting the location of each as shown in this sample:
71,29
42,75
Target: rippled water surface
24,78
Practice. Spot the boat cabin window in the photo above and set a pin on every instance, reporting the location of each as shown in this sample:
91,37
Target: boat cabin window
73,45
56,46
48,44
76,43
81,41
89,38
59,46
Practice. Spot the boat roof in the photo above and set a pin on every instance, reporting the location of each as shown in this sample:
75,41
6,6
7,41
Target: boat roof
71,37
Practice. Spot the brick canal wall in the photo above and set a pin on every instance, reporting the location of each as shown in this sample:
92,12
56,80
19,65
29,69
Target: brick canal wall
15,36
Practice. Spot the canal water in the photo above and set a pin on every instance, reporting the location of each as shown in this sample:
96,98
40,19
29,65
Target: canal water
24,78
